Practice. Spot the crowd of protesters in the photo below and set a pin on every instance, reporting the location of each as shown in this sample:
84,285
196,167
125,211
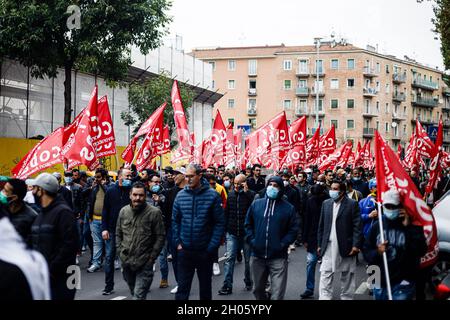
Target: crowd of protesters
184,215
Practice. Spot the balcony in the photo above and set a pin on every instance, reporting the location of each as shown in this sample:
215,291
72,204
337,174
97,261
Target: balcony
446,123
251,111
424,121
398,116
313,112
252,92
320,71
368,132
399,78
446,92
320,91
425,102
399,96
369,72
369,112
301,111
302,92
425,84
398,136
302,72
446,138
370,92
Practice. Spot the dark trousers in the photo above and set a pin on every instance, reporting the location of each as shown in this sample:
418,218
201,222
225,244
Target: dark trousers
188,262
423,277
59,289
110,257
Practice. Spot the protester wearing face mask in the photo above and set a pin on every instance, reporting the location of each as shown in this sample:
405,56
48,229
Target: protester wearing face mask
228,179
404,245
116,197
359,184
140,236
368,207
54,234
239,200
21,215
271,226
339,240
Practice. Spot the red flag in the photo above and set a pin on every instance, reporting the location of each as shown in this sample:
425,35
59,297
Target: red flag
164,147
313,148
435,165
105,141
153,140
327,144
184,137
79,147
339,157
237,138
362,154
445,160
44,155
425,146
128,153
297,136
230,155
392,175
411,159
218,140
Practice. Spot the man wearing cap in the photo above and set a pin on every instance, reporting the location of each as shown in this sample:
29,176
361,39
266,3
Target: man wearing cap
404,245
368,207
271,225
54,234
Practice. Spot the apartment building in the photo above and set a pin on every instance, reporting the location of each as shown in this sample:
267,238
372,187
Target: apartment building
358,90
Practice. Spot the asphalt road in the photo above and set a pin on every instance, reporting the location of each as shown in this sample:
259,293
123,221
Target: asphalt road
92,284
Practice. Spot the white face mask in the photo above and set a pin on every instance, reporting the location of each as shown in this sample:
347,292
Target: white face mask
286,183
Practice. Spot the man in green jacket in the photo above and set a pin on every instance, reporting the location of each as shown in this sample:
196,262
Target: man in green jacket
140,236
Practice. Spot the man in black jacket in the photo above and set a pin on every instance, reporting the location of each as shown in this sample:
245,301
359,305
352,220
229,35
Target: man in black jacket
54,234
239,200
117,196
21,215
256,182
339,242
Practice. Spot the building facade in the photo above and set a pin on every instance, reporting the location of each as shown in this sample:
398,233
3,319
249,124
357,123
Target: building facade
357,90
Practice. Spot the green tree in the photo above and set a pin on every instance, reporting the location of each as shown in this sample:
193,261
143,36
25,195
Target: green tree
441,23
36,33
146,96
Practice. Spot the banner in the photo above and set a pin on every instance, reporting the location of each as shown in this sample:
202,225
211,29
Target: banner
105,141
184,137
391,175
435,164
338,158
313,148
297,135
327,144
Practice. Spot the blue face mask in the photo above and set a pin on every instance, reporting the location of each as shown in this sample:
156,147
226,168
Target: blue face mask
391,214
156,188
126,183
69,180
227,184
272,192
356,178
334,194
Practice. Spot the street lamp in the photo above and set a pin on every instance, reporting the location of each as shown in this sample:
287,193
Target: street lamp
317,42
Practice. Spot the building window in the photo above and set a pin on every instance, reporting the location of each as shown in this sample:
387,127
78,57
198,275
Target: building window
252,67
388,88
287,104
350,103
350,83
320,105
287,85
334,84
302,83
319,66
303,66
213,65
351,64
231,120
350,124
252,122
231,65
230,103
335,123
335,64
252,103
386,108
287,65
378,126
334,103
378,106
213,84
387,68
231,84
252,84
378,86
378,67
386,127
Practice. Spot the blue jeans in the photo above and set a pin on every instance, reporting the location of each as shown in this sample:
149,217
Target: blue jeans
96,231
163,265
234,245
311,261
110,256
399,292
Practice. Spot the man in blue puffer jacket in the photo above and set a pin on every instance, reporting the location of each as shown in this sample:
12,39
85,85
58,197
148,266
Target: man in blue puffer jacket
271,226
368,208
198,224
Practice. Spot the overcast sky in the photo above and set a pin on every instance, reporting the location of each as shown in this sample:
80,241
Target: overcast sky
398,27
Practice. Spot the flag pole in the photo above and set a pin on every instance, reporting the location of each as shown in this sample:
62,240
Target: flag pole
386,269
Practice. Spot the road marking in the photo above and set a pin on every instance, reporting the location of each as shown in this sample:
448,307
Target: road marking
363,288
118,298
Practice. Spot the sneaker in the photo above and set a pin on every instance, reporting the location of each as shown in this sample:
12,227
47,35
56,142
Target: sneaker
216,269
307,295
292,247
225,291
248,286
107,292
77,262
83,249
93,268
164,284
116,264
169,258
174,290
154,267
